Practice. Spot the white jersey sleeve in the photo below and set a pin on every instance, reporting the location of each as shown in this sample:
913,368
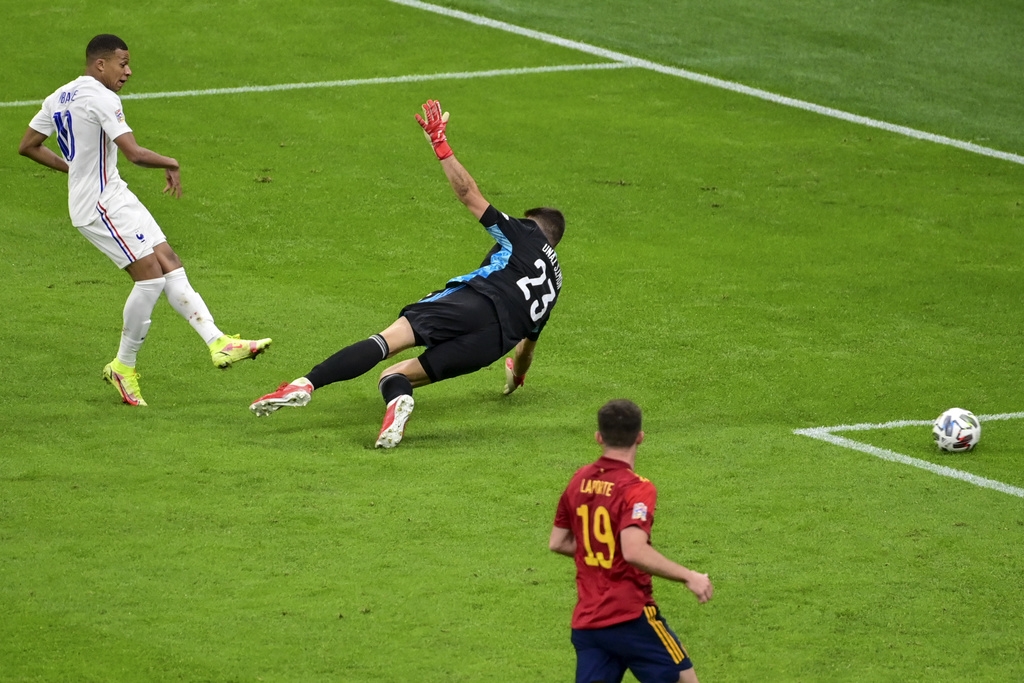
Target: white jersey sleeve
43,121
107,109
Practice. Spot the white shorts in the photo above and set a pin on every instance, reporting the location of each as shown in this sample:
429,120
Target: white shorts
123,229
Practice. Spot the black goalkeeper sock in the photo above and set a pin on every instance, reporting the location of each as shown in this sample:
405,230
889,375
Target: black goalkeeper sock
350,362
393,386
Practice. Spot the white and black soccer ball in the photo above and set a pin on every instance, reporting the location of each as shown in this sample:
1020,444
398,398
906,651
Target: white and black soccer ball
956,430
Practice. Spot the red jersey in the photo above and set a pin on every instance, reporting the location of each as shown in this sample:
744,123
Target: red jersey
602,499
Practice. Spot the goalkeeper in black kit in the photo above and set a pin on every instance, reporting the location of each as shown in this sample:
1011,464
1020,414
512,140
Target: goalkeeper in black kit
473,321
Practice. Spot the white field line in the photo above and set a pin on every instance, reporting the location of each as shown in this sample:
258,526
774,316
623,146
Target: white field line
828,435
620,60
414,78
712,81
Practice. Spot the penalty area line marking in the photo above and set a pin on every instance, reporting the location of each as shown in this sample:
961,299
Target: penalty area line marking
386,80
828,435
714,82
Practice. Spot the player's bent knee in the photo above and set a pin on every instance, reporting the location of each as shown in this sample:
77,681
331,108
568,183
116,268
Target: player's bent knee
412,369
387,372
399,336
168,258
396,369
146,268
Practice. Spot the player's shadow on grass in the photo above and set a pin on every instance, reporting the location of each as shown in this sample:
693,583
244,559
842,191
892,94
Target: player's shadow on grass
443,419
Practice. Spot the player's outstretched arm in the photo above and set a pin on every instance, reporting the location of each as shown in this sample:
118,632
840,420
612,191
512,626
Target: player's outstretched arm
147,158
464,186
517,365
639,553
433,123
562,541
32,147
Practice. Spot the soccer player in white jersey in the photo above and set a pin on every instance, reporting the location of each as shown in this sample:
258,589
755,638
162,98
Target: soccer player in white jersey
86,117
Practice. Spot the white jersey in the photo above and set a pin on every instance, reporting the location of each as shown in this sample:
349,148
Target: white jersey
87,117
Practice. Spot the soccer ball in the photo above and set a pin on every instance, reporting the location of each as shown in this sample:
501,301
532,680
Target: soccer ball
956,430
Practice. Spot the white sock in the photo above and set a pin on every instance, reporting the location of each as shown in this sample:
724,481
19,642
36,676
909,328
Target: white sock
137,318
187,302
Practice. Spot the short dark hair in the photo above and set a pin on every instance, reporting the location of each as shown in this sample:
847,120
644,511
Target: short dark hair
103,45
619,423
551,222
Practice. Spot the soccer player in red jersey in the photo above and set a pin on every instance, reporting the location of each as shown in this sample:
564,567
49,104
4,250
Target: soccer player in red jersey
604,521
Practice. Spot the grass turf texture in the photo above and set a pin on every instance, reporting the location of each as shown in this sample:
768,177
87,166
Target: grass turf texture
737,268
945,67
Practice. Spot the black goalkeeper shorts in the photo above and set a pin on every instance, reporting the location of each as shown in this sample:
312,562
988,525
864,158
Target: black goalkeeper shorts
460,329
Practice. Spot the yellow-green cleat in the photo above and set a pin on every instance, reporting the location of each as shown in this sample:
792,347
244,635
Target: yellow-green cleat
229,349
125,380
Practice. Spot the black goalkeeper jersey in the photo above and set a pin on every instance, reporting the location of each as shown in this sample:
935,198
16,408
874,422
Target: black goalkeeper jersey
520,275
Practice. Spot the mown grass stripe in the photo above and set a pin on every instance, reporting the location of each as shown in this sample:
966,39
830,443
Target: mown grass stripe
732,86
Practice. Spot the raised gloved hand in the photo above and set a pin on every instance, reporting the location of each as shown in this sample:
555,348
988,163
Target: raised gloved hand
433,128
512,380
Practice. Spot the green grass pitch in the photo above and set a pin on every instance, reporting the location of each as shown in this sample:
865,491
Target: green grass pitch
738,268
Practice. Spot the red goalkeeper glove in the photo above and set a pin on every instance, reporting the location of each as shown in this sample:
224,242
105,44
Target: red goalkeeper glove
512,380
433,128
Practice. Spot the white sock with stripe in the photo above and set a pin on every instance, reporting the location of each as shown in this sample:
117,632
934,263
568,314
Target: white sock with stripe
138,310
187,302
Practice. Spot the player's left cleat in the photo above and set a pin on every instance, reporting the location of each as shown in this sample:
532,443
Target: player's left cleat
395,417
229,349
